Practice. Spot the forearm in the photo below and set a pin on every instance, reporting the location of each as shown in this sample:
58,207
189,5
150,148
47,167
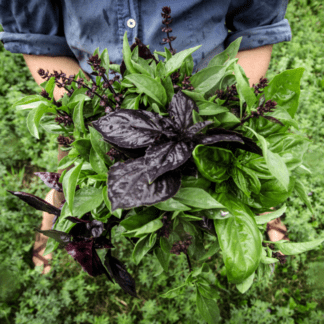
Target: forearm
255,62
67,65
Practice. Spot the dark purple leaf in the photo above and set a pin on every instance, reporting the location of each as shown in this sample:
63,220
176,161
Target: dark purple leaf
194,129
61,237
84,253
189,168
128,128
94,227
211,139
165,157
36,202
118,271
247,145
51,180
180,110
128,185
102,243
131,153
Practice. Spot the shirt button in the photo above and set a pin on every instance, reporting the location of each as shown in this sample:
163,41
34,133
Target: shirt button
131,23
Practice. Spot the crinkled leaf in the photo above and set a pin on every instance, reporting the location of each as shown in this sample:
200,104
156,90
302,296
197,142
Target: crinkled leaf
51,180
162,158
128,185
36,202
128,128
198,127
119,273
180,110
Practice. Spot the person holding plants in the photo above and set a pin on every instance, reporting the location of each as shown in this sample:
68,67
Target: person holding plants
60,36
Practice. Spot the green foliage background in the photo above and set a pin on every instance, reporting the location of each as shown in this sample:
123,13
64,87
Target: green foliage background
294,294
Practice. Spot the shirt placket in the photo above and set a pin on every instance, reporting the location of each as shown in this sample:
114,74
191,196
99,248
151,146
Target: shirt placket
128,19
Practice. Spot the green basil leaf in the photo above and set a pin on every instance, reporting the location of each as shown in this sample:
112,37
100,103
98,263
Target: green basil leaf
297,248
97,164
127,54
150,227
253,181
208,291
176,60
246,284
83,146
140,219
273,193
263,219
30,102
171,205
66,162
105,59
165,244
207,108
285,90
208,79
196,197
86,199
50,85
276,165
208,309
99,145
69,184
229,53
34,117
213,163
200,182
303,195
212,250
246,94
152,88
164,258
227,119
142,247
175,292
239,239
240,180
78,118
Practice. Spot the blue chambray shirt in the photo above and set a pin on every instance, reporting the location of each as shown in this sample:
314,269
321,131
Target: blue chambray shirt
76,28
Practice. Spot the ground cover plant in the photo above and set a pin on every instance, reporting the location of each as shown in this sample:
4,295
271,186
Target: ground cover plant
149,311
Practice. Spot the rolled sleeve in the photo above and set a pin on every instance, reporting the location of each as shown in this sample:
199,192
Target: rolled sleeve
260,23
33,27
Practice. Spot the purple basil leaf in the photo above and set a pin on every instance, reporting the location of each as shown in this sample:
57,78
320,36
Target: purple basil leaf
248,145
51,180
131,153
128,185
36,202
61,237
162,158
93,228
194,129
85,254
180,110
189,168
128,128
211,139
102,243
118,271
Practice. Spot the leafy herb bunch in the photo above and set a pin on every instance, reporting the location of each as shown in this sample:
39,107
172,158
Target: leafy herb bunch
174,162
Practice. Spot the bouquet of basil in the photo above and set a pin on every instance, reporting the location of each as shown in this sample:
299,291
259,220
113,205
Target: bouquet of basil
178,163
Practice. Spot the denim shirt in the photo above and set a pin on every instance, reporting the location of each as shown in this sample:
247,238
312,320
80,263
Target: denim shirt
75,28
